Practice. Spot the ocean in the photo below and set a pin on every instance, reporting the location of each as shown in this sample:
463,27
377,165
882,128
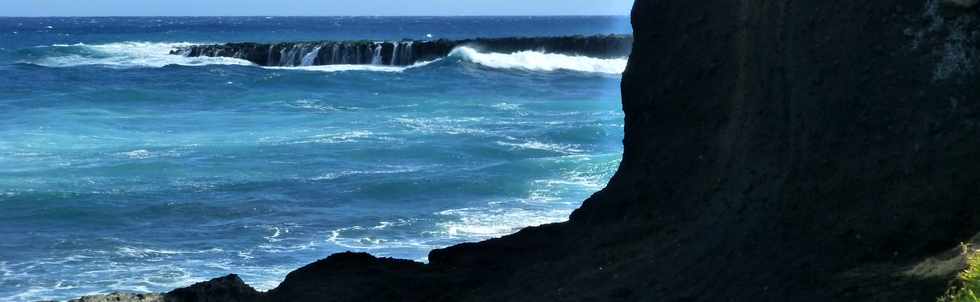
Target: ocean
126,168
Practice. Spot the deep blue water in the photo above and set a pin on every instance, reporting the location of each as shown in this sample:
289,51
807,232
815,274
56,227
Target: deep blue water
125,168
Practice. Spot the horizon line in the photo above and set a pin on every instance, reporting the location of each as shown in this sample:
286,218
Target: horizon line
309,16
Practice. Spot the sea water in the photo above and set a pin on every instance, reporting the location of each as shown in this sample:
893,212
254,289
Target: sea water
123,167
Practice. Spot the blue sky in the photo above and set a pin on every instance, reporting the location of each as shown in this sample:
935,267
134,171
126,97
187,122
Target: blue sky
311,7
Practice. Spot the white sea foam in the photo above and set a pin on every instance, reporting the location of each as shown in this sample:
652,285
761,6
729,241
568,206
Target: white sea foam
494,221
128,55
540,61
443,125
277,233
327,138
383,237
148,277
393,170
544,203
128,251
536,145
352,67
283,248
320,106
396,223
33,293
138,154
506,106
546,200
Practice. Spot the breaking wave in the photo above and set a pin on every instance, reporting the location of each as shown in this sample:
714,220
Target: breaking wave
540,61
119,55
353,67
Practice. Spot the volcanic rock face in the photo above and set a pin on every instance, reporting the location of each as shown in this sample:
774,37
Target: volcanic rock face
962,3
796,151
790,146
775,151
403,52
227,288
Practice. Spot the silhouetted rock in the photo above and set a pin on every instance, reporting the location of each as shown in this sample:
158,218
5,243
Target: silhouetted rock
229,288
362,277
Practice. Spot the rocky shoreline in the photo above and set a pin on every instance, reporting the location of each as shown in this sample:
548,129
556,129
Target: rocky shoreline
402,53
774,151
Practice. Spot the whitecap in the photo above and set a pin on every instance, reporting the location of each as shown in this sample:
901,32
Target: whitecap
276,233
286,249
506,106
62,286
128,251
128,55
33,293
492,221
143,252
377,243
335,138
317,105
396,223
126,278
352,67
392,170
536,145
246,255
138,154
442,125
540,61
380,238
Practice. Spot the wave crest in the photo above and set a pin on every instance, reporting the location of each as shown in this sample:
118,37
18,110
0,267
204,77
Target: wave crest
122,55
540,61
353,67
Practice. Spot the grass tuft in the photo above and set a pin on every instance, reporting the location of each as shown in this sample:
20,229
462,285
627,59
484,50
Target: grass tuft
967,286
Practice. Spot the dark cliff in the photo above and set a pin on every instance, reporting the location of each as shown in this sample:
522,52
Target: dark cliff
775,151
403,52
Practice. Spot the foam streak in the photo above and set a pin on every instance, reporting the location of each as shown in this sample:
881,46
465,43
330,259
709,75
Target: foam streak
540,61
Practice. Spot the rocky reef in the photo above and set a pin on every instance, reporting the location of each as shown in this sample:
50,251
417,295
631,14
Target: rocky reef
122,297
774,151
402,53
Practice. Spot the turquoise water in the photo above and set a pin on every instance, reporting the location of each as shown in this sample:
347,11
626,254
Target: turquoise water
125,168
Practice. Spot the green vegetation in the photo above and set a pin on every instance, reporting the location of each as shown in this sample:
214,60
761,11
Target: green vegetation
968,282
